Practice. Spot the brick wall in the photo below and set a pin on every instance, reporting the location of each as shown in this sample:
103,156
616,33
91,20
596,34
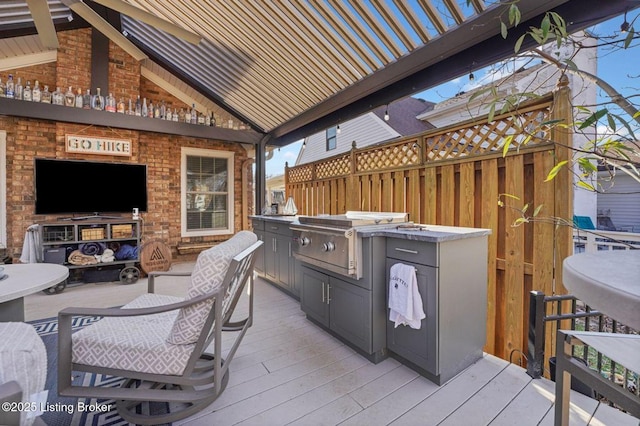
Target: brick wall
28,138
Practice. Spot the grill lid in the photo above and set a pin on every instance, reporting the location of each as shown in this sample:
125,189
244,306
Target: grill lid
354,218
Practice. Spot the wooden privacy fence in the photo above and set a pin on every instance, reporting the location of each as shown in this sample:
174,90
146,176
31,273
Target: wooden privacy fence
455,176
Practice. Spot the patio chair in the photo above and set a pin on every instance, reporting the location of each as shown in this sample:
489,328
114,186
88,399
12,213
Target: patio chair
158,343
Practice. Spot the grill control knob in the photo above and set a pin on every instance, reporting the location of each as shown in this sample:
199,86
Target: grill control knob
304,241
328,246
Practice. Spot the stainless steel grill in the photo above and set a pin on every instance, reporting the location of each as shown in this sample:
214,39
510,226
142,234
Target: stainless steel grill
332,242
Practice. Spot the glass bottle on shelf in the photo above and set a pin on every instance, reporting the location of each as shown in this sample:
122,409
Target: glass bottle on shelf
79,99
201,119
163,110
144,110
175,116
156,110
3,89
207,120
130,110
120,106
168,115
138,110
86,100
182,116
36,93
45,97
110,103
19,89
150,109
213,120
10,88
69,98
26,94
194,114
57,98
98,101
187,116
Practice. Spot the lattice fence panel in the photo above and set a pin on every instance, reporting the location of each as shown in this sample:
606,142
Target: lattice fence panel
483,137
302,173
333,167
405,153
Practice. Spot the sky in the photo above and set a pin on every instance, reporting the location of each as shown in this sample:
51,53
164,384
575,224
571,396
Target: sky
619,68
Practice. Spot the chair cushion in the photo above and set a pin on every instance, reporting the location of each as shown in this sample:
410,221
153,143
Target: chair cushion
133,343
23,358
207,276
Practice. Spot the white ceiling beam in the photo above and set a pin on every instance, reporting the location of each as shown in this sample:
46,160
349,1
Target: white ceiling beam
96,21
151,19
44,23
14,62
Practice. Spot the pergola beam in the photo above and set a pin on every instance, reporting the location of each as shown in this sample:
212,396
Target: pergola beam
477,41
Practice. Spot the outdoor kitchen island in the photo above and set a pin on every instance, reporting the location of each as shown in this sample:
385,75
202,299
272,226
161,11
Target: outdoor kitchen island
344,270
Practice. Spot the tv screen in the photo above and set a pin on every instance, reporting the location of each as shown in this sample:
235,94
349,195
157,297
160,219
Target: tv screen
69,187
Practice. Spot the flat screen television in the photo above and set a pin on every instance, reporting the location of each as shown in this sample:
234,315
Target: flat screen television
83,187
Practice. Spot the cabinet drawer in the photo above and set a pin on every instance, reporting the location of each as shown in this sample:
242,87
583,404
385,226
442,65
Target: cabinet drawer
258,225
413,251
277,228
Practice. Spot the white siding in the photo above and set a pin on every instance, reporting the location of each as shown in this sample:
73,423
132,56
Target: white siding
623,202
365,130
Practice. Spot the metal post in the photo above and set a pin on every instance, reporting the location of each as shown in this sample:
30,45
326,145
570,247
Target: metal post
535,347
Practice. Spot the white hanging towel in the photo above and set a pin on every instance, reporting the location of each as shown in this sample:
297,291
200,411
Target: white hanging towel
405,302
31,246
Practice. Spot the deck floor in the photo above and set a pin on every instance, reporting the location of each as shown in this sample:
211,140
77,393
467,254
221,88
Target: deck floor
288,371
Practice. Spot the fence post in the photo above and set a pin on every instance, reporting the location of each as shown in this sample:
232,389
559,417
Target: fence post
353,193
563,182
535,347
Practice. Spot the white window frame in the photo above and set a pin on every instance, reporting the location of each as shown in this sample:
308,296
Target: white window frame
3,189
201,152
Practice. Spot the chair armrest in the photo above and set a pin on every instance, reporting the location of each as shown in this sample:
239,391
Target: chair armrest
132,312
10,392
153,274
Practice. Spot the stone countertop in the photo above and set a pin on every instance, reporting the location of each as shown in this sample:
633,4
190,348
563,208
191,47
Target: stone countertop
275,218
427,233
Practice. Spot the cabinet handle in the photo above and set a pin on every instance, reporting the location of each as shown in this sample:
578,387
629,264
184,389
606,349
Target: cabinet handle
323,298
290,255
406,250
274,228
328,294
275,245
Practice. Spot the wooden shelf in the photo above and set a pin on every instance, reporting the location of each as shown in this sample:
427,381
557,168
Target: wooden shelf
44,111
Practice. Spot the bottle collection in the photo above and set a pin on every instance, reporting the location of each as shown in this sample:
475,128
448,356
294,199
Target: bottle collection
138,107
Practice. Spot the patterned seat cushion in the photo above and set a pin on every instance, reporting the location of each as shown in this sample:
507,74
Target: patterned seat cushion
207,276
23,358
133,343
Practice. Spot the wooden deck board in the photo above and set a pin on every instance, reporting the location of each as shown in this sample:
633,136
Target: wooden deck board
289,371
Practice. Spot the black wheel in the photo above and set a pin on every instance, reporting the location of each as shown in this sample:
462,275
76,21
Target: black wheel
56,289
129,275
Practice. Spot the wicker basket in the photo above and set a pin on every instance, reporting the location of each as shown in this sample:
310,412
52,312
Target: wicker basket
122,231
92,234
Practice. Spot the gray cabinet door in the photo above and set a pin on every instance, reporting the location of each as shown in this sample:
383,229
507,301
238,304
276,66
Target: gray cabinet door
313,299
270,257
283,258
350,313
418,346
259,257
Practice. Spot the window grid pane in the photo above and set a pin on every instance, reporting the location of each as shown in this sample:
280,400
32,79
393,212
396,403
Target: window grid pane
207,196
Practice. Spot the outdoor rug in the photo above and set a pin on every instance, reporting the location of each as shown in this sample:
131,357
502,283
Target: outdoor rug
64,411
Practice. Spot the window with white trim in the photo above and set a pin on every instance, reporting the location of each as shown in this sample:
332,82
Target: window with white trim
332,138
207,192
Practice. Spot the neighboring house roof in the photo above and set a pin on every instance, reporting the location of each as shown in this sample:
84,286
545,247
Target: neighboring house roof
369,129
538,79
